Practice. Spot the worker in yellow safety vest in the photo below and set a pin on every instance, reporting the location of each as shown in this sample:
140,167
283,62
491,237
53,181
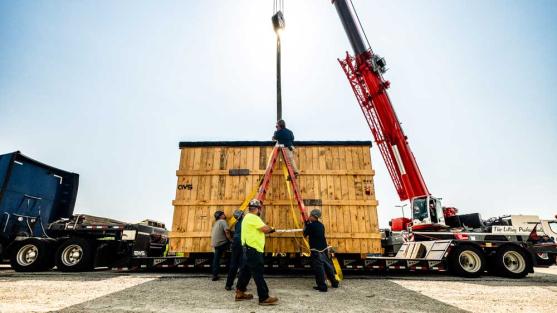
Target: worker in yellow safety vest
253,241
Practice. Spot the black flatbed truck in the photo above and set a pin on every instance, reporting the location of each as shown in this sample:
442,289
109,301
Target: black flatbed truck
38,229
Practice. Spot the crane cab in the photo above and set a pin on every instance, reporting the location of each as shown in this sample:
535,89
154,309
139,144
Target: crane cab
427,213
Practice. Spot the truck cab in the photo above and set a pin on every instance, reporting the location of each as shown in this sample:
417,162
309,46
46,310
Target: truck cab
32,195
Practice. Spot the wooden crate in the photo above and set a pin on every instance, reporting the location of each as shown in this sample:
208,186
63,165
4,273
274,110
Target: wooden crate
336,177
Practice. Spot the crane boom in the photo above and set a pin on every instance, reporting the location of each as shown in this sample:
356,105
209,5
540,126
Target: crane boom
364,72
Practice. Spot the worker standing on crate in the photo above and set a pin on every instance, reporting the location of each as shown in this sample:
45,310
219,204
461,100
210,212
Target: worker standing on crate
253,241
220,241
236,257
285,136
320,262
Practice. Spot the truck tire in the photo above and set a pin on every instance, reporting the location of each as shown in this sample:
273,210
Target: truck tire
512,261
31,255
467,261
75,255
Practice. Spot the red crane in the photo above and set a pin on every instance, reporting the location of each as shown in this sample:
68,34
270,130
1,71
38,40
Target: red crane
365,72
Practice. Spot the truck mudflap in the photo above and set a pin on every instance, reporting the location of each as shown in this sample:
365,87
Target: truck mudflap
544,254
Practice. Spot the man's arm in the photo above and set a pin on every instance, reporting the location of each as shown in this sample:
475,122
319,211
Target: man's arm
306,228
267,229
224,226
275,136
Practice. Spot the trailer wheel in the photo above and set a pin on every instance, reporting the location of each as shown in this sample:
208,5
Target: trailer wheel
512,261
75,255
31,255
467,261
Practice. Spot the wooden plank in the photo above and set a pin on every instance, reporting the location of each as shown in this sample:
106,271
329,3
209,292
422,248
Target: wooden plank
328,158
305,172
237,202
201,234
183,159
356,158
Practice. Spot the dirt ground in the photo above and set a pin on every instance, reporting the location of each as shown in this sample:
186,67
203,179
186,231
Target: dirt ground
106,291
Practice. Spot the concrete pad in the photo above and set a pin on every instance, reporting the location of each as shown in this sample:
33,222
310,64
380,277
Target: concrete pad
33,294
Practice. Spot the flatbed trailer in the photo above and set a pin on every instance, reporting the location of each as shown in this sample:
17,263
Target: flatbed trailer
467,258
83,242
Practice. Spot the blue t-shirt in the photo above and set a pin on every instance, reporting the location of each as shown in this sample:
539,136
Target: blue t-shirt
284,137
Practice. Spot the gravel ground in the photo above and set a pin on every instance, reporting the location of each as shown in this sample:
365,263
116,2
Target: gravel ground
105,291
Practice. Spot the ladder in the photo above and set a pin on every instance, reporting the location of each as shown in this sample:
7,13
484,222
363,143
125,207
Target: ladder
266,180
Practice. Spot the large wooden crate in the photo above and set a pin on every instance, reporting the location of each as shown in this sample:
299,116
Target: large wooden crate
336,177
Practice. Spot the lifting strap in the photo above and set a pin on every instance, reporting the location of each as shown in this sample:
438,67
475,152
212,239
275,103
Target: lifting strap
294,217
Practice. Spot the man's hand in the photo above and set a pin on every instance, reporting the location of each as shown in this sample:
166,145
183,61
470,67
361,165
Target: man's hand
267,229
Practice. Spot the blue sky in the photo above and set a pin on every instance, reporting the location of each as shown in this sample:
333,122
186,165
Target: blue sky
107,89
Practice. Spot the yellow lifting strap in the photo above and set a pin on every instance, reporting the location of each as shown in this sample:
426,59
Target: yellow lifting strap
294,216
338,271
231,220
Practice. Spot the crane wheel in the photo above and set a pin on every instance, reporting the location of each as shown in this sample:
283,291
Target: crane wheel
75,255
467,261
512,261
31,255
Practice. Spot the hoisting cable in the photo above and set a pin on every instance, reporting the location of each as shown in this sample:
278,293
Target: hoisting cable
360,23
278,26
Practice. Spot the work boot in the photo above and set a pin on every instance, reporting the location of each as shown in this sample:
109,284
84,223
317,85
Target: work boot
320,289
269,301
241,295
334,284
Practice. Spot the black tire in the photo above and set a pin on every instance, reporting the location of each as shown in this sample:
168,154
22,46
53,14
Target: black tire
75,255
31,255
467,261
512,261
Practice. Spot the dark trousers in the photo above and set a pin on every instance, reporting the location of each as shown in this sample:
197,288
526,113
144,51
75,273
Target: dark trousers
321,265
253,266
219,251
236,261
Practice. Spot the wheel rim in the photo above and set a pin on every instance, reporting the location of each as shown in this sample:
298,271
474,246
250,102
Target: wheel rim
72,255
470,261
514,262
27,255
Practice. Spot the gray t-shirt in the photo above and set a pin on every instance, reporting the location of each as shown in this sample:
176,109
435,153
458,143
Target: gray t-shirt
218,238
